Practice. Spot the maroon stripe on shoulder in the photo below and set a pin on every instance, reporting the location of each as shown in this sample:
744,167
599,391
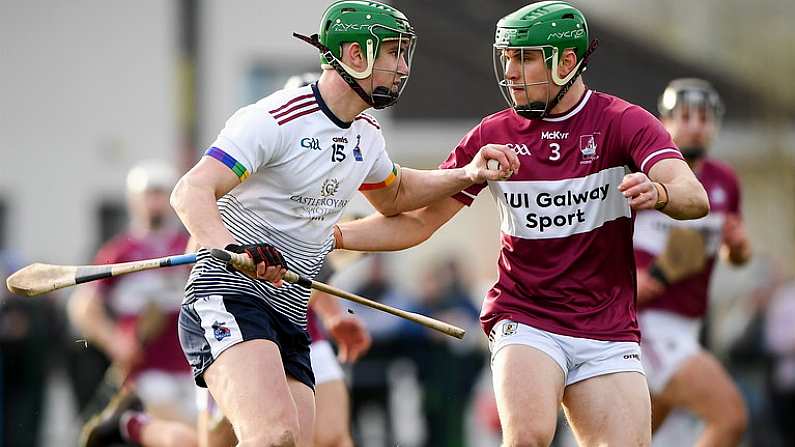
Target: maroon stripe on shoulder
369,120
294,108
299,114
297,98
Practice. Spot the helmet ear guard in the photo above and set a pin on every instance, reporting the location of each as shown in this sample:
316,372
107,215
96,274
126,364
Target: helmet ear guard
369,54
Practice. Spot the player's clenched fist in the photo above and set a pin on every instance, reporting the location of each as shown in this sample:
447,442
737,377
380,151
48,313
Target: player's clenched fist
270,264
478,169
643,194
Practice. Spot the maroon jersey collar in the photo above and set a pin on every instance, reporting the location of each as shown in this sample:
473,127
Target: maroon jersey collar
573,111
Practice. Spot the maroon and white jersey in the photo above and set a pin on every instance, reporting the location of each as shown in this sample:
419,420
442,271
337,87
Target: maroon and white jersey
566,264
147,294
688,296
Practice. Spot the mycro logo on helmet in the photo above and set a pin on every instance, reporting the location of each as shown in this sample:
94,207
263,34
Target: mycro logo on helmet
350,26
571,34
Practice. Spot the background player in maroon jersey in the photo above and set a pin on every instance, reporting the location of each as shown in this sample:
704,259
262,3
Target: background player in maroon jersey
133,319
680,373
561,318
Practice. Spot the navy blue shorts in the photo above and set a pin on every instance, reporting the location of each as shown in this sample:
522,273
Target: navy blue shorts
210,325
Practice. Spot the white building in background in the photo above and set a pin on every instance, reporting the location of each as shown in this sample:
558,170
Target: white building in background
87,88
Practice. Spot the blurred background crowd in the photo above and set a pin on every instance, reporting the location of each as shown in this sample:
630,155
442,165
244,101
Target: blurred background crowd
90,88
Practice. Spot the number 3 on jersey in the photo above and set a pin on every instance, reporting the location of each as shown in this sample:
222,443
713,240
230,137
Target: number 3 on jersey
336,152
555,155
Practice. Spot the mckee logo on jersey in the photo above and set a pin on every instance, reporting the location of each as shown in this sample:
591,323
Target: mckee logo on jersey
554,135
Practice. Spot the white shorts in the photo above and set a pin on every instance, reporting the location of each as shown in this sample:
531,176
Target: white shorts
579,358
668,340
324,362
165,389
324,365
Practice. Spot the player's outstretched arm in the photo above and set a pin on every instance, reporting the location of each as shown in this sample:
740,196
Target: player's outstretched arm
670,183
414,189
381,233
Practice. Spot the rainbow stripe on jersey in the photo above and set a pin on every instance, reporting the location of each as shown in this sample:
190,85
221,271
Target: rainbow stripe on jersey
388,181
236,167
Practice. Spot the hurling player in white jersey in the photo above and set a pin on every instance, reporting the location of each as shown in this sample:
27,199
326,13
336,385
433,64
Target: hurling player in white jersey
272,186
681,374
561,317
332,415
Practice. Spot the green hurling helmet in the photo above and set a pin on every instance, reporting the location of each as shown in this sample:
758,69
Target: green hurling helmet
549,27
369,24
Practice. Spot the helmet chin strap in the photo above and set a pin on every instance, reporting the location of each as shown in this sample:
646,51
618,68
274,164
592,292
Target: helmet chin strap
539,109
381,97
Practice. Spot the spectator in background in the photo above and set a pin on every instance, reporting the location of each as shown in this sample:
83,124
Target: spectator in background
133,319
26,332
450,367
395,341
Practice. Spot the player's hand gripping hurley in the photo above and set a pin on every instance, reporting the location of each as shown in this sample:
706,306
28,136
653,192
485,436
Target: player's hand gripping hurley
38,279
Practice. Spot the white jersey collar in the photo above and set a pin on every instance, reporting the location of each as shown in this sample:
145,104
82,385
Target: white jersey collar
572,112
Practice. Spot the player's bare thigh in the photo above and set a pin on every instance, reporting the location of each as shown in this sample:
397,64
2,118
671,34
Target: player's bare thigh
528,385
610,409
249,384
304,399
702,386
332,415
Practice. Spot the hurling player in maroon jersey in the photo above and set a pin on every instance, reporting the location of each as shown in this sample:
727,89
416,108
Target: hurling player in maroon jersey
561,318
680,373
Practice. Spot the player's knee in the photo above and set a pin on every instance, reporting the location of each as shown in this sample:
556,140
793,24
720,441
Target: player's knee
274,434
183,436
339,440
526,436
285,438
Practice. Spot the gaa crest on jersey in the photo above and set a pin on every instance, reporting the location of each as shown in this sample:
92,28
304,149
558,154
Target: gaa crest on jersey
330,187
588,148
220,331
310,143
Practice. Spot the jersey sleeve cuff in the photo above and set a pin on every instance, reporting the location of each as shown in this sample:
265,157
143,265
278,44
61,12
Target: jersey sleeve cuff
468,195
661,154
